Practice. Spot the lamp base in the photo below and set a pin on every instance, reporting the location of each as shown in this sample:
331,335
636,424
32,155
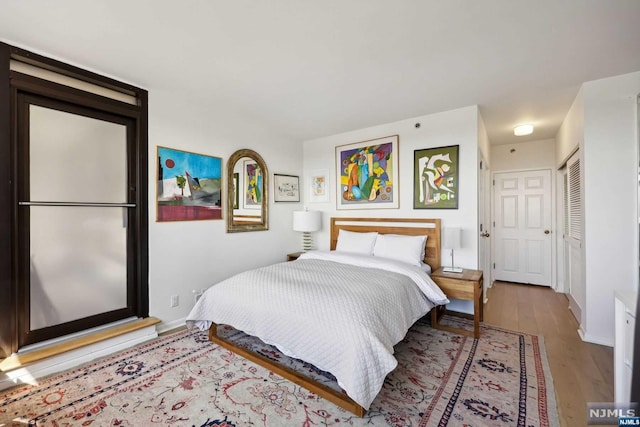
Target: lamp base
307,241
452,269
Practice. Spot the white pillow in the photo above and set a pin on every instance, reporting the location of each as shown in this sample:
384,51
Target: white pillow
354,242
409,249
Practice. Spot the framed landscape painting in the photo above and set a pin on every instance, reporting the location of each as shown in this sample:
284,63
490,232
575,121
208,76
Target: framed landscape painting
435,180
189,186
367,174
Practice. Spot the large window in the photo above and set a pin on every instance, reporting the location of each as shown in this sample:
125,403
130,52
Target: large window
77,212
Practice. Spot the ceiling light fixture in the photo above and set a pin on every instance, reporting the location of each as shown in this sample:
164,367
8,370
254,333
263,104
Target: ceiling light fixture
523,130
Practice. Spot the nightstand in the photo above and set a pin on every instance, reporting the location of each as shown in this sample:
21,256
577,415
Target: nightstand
293,256
465,286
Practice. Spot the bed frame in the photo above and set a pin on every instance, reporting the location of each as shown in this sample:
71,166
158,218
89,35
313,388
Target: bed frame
405,226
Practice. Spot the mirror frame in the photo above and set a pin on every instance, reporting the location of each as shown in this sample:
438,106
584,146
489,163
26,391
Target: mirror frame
258,226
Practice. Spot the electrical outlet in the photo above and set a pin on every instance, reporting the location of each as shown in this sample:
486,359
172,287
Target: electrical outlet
175,301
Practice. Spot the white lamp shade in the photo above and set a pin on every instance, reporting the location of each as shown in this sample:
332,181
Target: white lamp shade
307,221
452,238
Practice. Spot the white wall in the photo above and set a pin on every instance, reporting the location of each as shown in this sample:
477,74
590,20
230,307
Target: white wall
571,132
483,140
540,154
603,122
611,191
456,127
189,255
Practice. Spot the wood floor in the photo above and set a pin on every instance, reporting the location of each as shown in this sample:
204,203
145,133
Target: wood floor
582,372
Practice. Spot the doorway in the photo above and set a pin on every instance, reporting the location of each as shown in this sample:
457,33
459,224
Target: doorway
484,215
522,227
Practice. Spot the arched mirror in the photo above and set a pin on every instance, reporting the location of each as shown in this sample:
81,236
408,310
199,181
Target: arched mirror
247,192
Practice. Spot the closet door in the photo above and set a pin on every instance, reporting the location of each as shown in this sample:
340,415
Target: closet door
573,237
75,205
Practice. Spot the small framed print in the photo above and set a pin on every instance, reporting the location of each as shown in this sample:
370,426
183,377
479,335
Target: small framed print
286,188
319,186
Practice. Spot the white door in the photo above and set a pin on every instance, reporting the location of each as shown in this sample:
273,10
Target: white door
484,214
573,236
522,227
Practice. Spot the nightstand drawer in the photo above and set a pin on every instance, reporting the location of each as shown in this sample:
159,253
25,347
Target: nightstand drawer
455,288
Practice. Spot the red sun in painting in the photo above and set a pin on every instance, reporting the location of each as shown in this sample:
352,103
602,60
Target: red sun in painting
170,163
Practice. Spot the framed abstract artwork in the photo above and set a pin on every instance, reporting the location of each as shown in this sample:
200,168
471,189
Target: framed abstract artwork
253,185
367,174
286,188
189,186
435,178
236,193
318,186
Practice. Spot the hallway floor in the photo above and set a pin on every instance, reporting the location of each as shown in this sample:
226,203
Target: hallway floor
582,372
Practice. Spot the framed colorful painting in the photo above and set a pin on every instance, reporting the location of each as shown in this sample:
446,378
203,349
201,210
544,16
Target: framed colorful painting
435,178
189,186
286,188
253,185
318,186
236,186
367,174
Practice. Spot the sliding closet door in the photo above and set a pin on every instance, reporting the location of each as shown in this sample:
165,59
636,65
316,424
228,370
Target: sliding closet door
75,207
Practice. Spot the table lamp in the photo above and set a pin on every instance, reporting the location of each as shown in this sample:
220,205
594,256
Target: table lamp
452,240
307,222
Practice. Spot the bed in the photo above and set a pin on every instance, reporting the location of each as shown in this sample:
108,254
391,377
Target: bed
311,307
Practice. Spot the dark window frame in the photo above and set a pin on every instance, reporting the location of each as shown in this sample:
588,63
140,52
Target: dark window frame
14,87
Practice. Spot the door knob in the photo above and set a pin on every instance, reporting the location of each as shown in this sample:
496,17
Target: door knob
547,231
485,234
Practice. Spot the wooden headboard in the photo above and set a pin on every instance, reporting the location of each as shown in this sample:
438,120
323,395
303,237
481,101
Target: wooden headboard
406,226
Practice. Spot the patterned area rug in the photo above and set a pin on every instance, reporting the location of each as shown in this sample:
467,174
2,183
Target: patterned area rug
501,379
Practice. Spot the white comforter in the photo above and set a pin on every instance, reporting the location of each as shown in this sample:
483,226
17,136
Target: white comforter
343,313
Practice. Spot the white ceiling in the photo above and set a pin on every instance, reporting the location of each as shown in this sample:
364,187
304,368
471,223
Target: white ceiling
315,68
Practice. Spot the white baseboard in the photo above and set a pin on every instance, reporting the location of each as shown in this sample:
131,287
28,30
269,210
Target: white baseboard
595,340
574,308
167,326
70,359
576,311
